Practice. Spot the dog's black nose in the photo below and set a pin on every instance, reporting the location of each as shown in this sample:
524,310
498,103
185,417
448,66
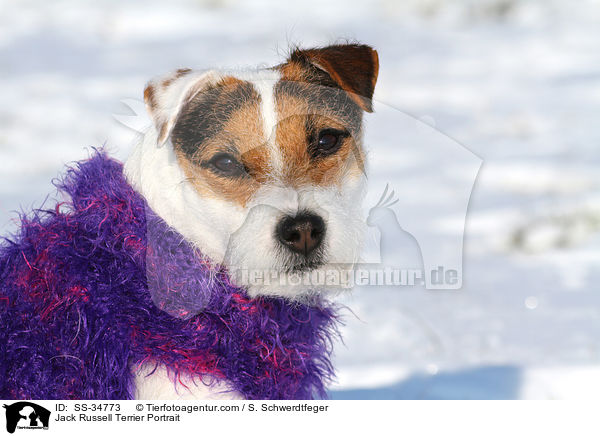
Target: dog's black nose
301,233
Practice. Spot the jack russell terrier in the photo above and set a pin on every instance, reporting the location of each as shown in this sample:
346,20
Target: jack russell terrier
188,271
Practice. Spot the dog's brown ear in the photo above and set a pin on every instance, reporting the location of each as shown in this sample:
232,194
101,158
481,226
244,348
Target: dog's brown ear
352,67
165,96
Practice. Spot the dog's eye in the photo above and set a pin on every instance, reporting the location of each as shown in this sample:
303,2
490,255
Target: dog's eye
328,142
226,164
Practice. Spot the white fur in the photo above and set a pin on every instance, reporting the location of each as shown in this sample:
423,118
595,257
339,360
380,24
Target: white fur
264,82
155,383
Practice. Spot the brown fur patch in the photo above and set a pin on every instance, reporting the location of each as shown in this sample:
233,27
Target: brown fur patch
294,71
208,112
353,67
321,89
299,124
240,135
149,97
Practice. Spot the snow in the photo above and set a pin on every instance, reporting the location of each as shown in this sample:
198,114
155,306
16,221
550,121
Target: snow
511,84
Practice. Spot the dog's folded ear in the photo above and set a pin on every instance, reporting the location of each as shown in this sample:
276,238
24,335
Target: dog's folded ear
166,96
351,67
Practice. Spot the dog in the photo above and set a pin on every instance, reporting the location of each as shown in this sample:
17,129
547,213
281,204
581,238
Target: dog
247,189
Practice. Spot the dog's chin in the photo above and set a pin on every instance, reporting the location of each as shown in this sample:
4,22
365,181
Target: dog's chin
297,263
305,266
301,282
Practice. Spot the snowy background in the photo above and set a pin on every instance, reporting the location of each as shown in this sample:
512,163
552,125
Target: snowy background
516,82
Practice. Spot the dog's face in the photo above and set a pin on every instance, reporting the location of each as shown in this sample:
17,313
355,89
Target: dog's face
266,167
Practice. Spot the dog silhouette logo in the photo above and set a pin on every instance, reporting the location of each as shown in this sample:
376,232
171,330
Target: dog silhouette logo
26,415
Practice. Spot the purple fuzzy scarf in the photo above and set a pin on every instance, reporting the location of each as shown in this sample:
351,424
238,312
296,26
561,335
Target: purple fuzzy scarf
100,285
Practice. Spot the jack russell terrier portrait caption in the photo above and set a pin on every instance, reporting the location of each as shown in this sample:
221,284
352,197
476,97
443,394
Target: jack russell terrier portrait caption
182,272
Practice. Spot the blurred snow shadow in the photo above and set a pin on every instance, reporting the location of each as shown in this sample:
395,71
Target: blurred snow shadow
481,383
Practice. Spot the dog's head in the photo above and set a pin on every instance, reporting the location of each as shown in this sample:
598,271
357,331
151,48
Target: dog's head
263,170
